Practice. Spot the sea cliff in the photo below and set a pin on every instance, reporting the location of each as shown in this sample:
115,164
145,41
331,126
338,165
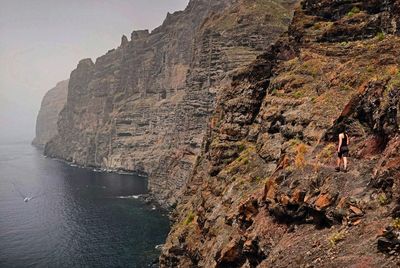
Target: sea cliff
144,106
52,104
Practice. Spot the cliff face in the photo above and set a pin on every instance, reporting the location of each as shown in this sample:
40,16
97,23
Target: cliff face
264,192
46,122
144,106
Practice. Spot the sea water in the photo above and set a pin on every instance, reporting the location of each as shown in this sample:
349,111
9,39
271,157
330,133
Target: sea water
76,217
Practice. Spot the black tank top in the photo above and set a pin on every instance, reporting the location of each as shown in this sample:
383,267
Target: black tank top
344,141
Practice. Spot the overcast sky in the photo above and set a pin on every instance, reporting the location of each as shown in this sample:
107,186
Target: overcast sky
41,42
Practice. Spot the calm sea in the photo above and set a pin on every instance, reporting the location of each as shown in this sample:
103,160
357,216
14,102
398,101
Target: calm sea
76,217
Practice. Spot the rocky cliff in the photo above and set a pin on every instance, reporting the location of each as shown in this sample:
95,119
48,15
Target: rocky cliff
265,192
144,106
46,122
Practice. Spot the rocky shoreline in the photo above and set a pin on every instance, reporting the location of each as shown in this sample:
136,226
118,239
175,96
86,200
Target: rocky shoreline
148,198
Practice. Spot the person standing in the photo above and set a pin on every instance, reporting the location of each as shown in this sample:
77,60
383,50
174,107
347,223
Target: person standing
343,150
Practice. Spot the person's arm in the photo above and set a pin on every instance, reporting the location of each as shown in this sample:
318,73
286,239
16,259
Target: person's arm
348,139
340,142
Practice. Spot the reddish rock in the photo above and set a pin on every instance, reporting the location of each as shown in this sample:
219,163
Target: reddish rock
342,203
284,200
356,210
269,190
323,201
230,253
298,196
271,194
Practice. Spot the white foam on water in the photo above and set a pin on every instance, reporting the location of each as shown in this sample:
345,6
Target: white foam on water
129,197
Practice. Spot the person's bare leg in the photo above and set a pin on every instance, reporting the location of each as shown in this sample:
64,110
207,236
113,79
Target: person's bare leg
338,163
345,163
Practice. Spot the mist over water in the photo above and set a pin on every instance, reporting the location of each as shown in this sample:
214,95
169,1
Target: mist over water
80,218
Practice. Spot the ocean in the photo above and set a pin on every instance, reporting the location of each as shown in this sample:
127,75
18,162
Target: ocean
73,217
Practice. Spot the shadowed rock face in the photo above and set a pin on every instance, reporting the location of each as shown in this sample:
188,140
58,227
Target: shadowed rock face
265,192
144,106
46,122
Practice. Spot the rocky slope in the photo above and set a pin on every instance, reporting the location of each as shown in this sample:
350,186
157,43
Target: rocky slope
264,192
46,122
144,106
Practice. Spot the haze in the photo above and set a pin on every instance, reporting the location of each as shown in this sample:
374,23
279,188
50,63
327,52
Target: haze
42,41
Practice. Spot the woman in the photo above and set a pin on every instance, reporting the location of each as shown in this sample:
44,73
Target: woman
343,150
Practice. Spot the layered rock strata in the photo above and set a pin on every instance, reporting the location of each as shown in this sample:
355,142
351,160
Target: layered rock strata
52,104
144,106
265,192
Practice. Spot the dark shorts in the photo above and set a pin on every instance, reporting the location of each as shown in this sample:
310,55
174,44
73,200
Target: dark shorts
344,152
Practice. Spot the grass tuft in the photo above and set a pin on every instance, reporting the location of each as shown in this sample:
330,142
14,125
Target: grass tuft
353,11
382,199
189,218
396,223
328,151
336,237
380,36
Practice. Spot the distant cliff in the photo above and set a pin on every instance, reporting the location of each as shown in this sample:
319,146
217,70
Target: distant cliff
144,106
46,122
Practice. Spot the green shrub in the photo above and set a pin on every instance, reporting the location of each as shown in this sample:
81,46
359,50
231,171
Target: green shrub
370,69
345,88
394,82
257,179
396,223
294,143
189,218
328,151
336,237
380,36
353,11
382,199
298,95
241,147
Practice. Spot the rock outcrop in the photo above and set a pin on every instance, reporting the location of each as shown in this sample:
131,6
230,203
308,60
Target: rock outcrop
144,106
46,122
264,192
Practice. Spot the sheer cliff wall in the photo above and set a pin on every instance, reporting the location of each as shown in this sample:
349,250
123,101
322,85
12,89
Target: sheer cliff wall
144,106
46,122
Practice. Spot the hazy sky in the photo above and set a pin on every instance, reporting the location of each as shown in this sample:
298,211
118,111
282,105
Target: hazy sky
41,42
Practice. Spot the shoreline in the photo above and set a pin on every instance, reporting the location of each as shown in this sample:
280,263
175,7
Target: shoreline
147,198
95,169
